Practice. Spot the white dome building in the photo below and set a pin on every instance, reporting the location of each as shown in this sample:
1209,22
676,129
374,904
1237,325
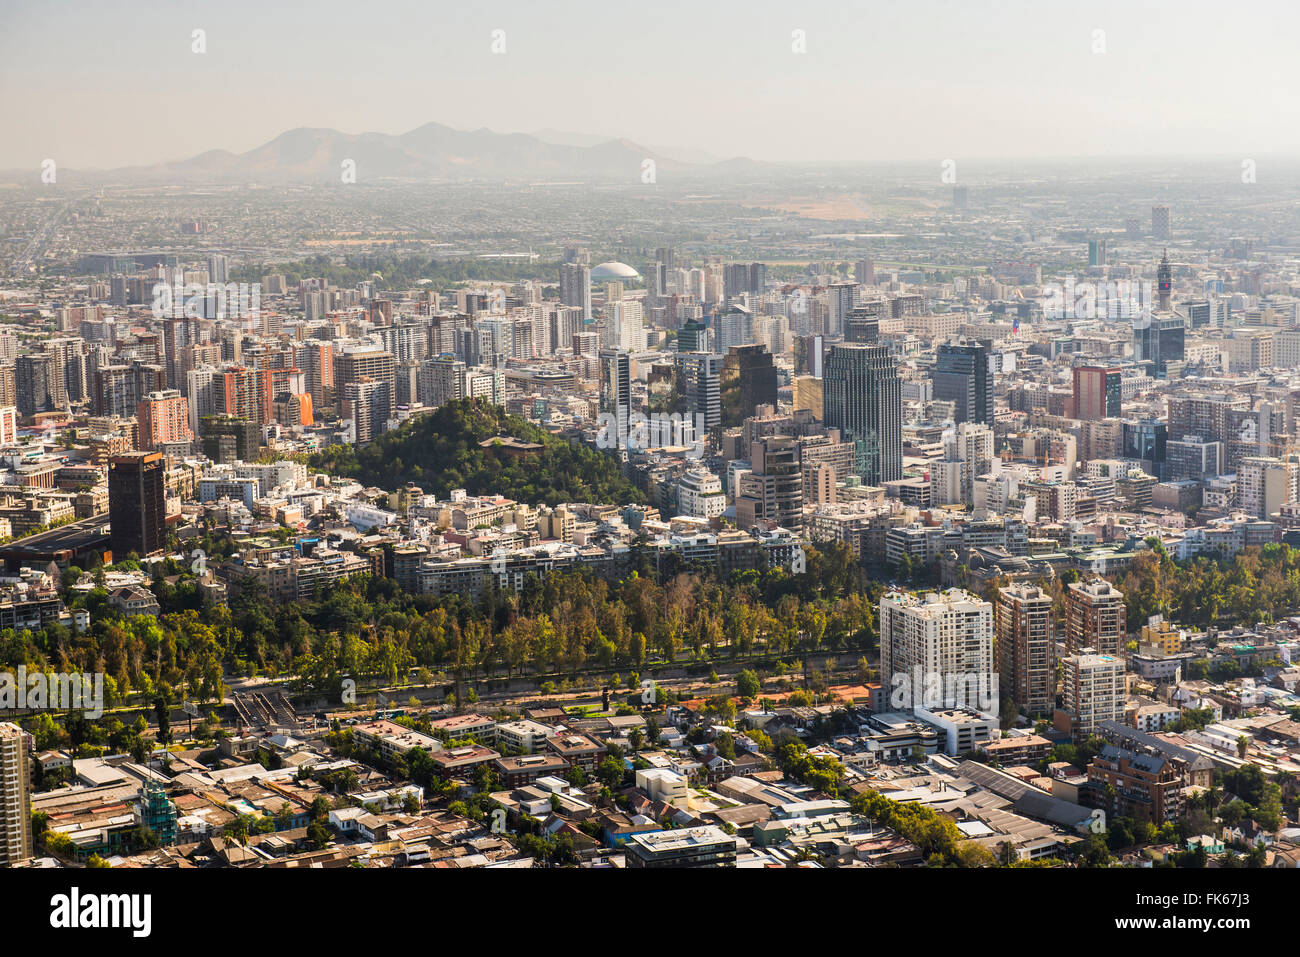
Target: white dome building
613,271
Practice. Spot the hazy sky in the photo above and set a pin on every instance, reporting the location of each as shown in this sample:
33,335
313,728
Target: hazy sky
108,83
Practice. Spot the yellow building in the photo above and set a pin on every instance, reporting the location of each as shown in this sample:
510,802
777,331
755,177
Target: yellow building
1163,635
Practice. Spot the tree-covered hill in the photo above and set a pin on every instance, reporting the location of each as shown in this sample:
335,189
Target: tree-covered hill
440,452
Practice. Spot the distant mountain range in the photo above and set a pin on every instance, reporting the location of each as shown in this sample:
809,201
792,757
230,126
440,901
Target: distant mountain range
430,152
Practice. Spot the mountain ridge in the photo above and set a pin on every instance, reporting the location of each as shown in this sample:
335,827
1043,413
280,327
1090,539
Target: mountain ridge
432,151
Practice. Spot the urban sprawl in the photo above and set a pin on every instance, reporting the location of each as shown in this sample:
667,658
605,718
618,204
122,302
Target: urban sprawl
970,540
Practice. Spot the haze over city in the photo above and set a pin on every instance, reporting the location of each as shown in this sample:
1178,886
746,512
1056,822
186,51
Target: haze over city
98,88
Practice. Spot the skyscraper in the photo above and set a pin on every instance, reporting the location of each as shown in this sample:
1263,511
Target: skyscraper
369,404
37,382
1026,645
1096,252
862,324
1159,340
137,509
700,379
575,287
694,337
1265,484
616,391
230,438
740,278
863,398
840,301
735,327
218,268
366,362
962,377
809,355
748,381
15,799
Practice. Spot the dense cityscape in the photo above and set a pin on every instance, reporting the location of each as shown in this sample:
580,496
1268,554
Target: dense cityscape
457,499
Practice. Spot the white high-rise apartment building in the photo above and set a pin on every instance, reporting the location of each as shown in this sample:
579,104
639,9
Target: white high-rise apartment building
942,636
1266,484
700,495
1092,692
15,801
219,268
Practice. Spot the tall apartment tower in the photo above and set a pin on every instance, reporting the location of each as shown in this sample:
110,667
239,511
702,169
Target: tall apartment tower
1265,484
227,439
1092,691
1026,647
366,362
15,799
946,635
962,377
694,336
1095,618
700,376
616,390
1096,252
575,287
164,420
772,492
1098,393
218,268
137,508
862,396
369,404
36,382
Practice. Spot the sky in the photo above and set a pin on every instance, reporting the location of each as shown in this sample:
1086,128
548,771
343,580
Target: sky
105,84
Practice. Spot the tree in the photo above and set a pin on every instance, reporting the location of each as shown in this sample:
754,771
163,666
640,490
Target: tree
611,772
318,834
1119,835
747,685
726,746
163,714
1095,852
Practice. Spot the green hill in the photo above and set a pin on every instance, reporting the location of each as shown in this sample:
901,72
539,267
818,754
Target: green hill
440,452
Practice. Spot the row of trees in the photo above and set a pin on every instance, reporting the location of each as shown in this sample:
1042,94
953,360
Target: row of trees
1256,584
